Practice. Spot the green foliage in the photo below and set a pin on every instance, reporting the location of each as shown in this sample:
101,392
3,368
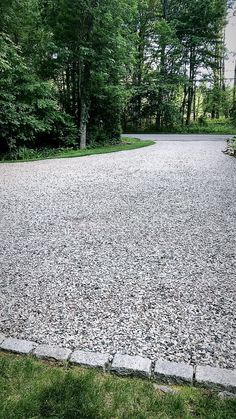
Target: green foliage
179,44
72,71
28,154
29,111
202,126
91,40
30,388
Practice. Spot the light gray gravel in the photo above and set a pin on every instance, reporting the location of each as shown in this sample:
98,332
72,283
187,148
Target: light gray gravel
181,137
131,252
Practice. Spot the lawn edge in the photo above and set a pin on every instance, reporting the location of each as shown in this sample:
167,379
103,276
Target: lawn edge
90,151
127,365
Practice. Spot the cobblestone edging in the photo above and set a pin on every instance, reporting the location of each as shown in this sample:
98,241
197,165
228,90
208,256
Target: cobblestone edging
160,370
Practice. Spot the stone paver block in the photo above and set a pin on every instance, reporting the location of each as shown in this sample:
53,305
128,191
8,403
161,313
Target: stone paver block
165,389
18,345
131,365
2,338
216,377
173,371
52,352
224,395
90,359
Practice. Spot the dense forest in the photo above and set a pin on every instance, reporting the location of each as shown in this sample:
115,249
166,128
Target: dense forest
74,73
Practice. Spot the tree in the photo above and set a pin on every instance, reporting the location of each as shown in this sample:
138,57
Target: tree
177,47
86,65
30,115
91,42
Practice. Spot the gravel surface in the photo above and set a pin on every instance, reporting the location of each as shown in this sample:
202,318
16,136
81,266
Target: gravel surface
181,137
130,252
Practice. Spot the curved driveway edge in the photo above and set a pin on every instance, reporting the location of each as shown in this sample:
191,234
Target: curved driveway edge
131,252
126,365
181,137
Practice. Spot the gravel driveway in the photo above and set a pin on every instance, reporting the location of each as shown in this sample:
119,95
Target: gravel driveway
180,137
131,252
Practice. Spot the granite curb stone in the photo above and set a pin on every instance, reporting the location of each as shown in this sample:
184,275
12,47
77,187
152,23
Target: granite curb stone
216,377
224,395
165,389
55,352
131,365
20,346
128,365
173,371
2,338
90,359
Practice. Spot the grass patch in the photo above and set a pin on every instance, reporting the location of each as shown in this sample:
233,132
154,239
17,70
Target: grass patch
206,126
34,389
25,154
211,126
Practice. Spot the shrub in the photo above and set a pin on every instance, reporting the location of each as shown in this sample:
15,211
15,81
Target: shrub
29,111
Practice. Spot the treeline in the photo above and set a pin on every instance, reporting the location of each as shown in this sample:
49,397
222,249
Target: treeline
178,75
62,63
72,72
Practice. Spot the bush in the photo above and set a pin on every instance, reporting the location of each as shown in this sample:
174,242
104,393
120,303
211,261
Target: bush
202,126
231,147
29,111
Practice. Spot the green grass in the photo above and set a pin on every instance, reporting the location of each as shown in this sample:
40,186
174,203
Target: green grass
211,126
208,126
34,389
25,154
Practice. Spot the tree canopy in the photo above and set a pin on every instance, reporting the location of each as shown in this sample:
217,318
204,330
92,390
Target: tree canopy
72,72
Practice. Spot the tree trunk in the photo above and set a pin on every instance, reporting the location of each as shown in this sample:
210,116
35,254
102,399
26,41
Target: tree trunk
234,89
139,75
189,105
182,109
198,106
190,88
73,83
194,102
83,125
160,90
159,116
68,86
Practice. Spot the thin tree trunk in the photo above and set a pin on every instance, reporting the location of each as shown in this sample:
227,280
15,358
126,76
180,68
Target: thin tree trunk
139,75
190,88
68,86
194,102
234,89
159,114
83,125
198,106
160,90
73,80
182,109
